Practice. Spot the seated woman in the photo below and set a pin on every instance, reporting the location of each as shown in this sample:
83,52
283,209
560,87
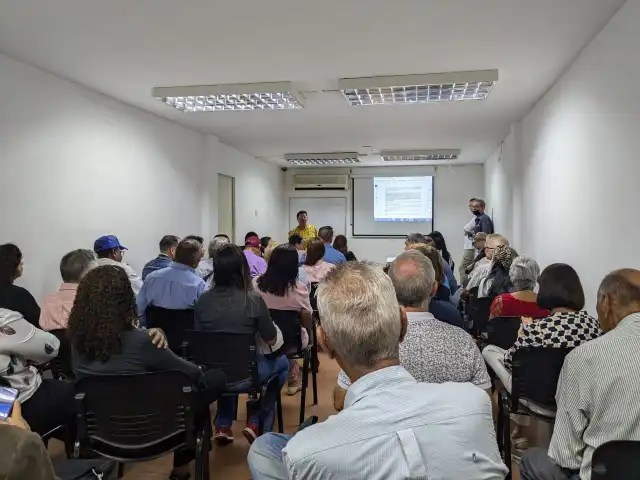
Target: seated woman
314,266
105,341
449,264
13,297
340,244
498,281
281,290
522,301
46,403
567,326
232,306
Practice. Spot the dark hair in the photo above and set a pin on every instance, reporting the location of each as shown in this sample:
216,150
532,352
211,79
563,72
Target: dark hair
340,244
188,252
74,265
197,238
315,251
223,235
301,212
441,245
107,253
432,254
560,287
250,234
481,202
168,242
104,308
416,238
282,271
326,233
230,268
10,258
264,243
472,199
295,239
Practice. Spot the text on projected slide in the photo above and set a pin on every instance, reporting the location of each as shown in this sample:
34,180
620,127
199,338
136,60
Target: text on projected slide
403,199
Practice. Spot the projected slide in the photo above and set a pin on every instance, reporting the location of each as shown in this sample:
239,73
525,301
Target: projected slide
403,199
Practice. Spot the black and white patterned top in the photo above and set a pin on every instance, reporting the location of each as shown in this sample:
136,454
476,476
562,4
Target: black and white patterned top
436,352
560,330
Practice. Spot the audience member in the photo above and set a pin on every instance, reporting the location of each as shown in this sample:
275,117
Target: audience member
340,244
257,264
414,238
498,281
481,272
597,391
281,290
57,307
176,287
105,341
296,241
304,229
315,266
441,246
264,243
168,245
362,326
232,306
480,259
111,252
46,403
432,351
522,301
331,255
268,250
567,326
449,279
13,297
215,243
204,266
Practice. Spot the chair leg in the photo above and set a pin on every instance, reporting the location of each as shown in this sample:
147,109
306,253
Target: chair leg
120,470
199,467
305,383
279,412
506,430
499,428
314,382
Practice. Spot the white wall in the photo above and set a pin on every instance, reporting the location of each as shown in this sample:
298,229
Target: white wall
578,161
76,165
452,189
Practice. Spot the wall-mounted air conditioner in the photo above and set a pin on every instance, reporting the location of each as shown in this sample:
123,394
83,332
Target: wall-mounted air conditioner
320,182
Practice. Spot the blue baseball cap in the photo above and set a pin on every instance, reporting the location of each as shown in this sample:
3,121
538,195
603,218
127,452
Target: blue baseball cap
107,242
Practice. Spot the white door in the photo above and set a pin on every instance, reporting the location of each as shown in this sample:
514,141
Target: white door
226,205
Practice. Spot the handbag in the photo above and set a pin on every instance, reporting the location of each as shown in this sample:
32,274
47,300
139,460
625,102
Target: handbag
85,469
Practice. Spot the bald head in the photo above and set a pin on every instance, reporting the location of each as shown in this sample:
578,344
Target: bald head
618,297
413,278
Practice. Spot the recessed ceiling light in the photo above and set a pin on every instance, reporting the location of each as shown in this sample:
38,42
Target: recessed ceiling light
408,89
418,155
221,98
332,158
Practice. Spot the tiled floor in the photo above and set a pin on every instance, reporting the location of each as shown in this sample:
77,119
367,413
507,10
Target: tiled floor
229,462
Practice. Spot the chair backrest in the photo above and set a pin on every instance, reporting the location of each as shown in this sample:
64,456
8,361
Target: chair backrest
616,460
313,299
174,323
139,416
503,331
478,310
535,374
233,353
288,321
61,366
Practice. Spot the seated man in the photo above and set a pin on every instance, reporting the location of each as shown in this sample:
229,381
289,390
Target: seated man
168,246
57,307
392,426
331,255
176,287
481,272
597,391
432,351
111,252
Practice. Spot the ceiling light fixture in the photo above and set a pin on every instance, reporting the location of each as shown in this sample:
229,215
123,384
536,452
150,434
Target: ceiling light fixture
221,98
419,155
428,88
322,159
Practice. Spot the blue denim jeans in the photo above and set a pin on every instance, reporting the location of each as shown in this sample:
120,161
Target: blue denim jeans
265,457
266,368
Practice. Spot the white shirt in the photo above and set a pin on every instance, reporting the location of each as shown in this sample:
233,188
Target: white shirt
136,281
468,242
393,427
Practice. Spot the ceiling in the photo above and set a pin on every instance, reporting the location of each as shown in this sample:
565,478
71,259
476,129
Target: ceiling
123,48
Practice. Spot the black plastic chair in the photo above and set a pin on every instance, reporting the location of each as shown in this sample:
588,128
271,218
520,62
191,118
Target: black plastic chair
174,323
139,417
534,382
61,368
288,322
235,354
503,331
478,311
313,299
616,460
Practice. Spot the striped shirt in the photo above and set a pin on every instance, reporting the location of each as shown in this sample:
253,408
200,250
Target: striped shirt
395,428
597,396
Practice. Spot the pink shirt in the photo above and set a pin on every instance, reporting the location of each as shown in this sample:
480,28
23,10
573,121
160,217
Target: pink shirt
317,272
57,307
296,299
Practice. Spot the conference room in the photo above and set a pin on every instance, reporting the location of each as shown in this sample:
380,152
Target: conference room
435,167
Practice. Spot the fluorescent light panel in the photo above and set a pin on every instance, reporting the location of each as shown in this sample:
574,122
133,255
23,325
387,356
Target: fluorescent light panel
322,159
408,89
218,98
419,155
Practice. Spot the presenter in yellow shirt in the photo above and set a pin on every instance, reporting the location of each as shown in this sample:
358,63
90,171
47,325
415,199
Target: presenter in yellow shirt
304,229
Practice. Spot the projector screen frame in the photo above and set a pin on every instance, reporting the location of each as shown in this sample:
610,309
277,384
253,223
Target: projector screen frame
353,232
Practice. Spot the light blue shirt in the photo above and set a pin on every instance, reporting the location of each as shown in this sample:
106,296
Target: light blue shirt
176,287
395,428
331,255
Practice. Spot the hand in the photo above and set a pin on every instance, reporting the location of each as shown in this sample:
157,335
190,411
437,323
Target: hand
158,338
526,320
16,417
